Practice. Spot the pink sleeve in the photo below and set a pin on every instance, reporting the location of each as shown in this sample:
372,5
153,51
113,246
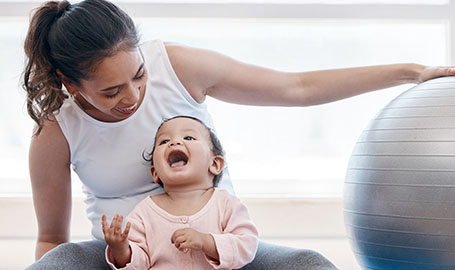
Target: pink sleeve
139,249
237,244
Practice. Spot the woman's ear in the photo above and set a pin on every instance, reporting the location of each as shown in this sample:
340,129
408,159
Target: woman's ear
154,174
67,83
217,165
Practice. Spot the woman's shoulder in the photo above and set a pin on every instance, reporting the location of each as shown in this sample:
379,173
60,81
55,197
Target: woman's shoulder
50,133
50,144
157,44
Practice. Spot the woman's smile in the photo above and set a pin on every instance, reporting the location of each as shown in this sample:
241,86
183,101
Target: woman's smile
127,111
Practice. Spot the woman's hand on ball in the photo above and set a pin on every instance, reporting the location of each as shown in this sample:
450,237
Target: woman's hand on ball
428,73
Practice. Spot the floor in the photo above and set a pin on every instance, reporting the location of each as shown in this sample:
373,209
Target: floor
18,253
300,223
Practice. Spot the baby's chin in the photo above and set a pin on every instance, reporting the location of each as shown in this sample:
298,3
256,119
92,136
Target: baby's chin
183,185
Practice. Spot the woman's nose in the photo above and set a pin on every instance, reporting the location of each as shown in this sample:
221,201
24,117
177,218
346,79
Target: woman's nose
132,94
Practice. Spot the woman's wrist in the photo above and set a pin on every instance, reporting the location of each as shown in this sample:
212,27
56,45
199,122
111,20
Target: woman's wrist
412,73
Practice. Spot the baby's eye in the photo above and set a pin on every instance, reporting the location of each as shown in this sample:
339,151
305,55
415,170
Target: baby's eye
189,138
164,142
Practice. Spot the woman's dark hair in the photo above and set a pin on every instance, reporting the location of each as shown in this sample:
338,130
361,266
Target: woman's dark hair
217,148
72,39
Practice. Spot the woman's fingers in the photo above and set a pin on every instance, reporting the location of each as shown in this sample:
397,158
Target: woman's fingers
429,73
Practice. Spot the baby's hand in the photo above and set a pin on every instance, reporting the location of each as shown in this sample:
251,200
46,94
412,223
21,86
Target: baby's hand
183,239
113,235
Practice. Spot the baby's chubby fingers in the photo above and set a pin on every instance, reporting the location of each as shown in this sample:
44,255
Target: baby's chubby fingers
176,234
127,230
115,228
184,247
114,221
118,225
104,222
176,238
107,228
173,237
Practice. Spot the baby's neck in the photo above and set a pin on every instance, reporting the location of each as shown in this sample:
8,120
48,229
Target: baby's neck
183,203
187,195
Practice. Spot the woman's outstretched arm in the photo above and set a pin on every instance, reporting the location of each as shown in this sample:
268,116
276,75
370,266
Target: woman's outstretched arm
205,72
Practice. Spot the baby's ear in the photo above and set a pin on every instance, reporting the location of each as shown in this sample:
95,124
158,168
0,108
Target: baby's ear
217,165
154,174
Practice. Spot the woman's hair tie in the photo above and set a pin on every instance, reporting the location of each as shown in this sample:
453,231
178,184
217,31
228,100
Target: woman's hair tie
62,7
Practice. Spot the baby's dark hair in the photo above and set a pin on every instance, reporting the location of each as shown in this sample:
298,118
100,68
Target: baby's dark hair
217,148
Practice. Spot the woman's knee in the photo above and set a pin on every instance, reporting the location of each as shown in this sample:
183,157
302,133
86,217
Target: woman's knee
56,257
73,256
270,256
312,259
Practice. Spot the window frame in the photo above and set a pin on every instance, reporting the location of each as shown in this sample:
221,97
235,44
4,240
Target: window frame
376,12
387,12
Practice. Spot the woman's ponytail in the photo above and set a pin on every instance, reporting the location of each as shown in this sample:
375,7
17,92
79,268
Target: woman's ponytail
41,82
71,40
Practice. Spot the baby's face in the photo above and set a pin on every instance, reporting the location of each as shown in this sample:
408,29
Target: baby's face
183,154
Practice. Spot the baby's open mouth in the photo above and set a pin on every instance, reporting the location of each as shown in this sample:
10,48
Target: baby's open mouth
177,159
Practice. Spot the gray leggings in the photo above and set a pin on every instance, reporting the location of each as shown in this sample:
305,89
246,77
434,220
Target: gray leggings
90,255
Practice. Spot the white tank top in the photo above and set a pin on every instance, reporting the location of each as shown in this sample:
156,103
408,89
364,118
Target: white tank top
107,157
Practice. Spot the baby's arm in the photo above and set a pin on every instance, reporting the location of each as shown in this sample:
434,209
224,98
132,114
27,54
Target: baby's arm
117,240
189,238
237,245
132,251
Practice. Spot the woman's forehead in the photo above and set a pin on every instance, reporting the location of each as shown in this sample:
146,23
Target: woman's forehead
115,70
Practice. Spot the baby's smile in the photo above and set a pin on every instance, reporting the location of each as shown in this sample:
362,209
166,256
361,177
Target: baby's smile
177,158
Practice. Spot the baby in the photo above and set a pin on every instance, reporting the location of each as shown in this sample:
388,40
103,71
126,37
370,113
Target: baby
192,224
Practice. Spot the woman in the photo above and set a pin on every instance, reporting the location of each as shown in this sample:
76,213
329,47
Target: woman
115,94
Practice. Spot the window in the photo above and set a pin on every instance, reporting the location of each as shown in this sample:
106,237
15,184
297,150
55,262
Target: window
272,151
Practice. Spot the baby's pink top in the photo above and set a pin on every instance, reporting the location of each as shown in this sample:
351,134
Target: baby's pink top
224,217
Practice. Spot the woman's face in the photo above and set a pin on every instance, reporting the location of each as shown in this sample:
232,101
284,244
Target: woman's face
116,88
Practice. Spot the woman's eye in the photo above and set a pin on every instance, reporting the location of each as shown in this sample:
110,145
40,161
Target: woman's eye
189,138
164,142
113,95
140,76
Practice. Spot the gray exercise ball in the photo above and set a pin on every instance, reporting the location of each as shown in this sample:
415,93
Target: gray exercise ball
399,192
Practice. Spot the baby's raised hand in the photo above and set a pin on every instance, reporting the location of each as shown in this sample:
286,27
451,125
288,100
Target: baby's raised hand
113,235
